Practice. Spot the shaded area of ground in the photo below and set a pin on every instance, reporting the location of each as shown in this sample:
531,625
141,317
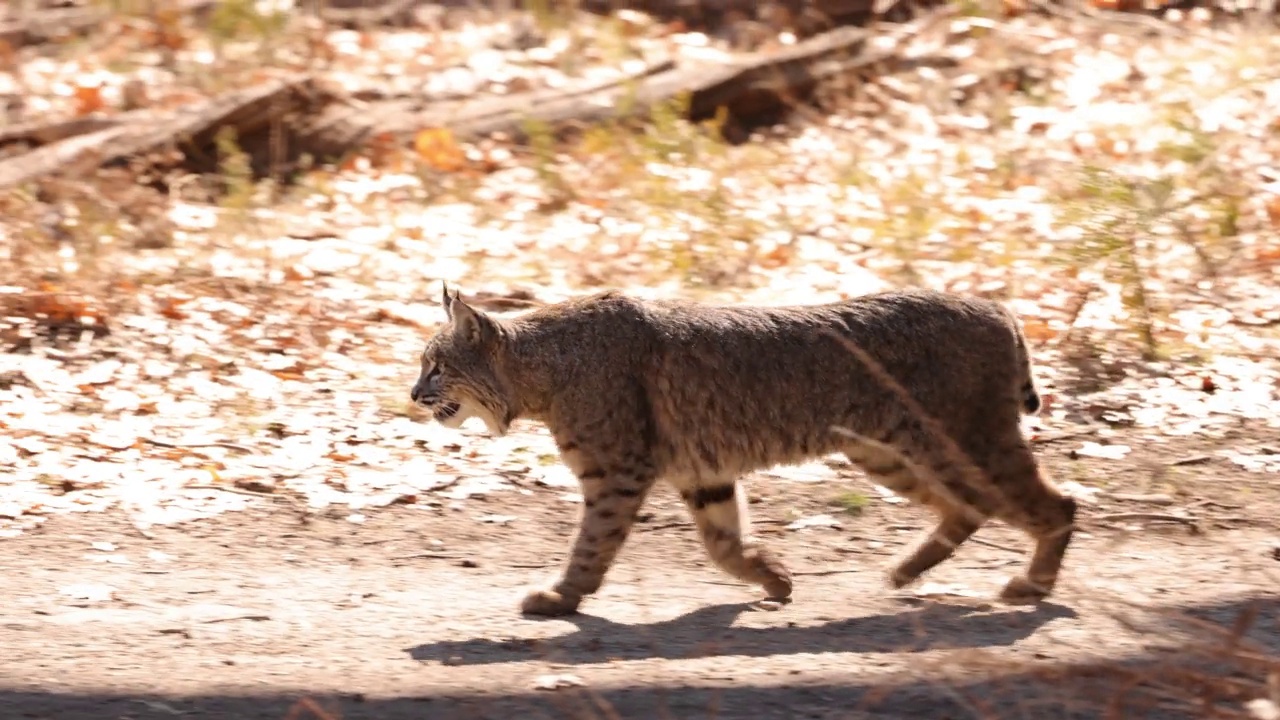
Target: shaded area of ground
411,613
1051,690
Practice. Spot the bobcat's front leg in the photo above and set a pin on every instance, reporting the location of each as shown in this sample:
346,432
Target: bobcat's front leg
719,508
610,502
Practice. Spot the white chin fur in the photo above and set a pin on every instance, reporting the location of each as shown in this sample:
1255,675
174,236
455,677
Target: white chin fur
496,428
466,412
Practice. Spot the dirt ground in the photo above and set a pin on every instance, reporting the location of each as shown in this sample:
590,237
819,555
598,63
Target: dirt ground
249,613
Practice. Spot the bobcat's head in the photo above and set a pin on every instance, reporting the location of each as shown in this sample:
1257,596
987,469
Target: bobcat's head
458,378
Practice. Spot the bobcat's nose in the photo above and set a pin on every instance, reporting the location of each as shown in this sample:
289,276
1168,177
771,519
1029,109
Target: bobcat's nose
426,390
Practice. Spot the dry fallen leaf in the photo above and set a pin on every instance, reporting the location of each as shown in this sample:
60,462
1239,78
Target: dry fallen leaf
557,682
1263,709
1080,491
888,495
88,99
1106,452
814,521
944,590
437,148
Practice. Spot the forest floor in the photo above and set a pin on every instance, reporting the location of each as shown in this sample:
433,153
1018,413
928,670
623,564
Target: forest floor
216,500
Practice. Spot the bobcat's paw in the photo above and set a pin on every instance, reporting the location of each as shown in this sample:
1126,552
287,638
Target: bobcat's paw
778,588
549,603
1023,591
898,579
769,572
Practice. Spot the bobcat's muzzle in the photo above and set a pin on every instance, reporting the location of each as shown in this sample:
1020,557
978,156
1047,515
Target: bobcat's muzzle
446,411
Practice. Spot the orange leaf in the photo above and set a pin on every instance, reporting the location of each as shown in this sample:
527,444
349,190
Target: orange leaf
169,307
88,99
1268,255
8,57
437,148
779,255
1014,8
1038,330
385,152
298,272
1273,210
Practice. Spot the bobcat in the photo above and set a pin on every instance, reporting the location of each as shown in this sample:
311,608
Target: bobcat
927,403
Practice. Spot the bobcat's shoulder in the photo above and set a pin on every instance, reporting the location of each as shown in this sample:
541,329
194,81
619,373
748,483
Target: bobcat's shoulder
634,391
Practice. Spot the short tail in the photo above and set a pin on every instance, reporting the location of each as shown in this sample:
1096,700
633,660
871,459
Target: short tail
1030,398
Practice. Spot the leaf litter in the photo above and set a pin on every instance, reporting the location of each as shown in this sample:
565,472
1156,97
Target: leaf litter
291,330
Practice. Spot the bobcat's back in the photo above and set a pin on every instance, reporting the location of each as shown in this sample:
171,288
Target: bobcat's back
735,389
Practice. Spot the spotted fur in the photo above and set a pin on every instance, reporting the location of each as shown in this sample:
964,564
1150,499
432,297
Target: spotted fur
698,395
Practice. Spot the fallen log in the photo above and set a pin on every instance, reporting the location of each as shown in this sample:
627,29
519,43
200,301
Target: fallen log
334,131
279,120
745,88
48,24
38,133
192,130
395,13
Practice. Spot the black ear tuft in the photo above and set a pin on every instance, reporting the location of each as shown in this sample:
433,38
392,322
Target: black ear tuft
446,298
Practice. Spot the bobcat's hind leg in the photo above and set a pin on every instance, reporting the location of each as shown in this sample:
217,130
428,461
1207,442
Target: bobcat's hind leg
952,530
719,510
888,466
1042,511
610,502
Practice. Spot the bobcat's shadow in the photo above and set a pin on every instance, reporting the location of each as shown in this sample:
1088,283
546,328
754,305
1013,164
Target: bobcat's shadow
707,632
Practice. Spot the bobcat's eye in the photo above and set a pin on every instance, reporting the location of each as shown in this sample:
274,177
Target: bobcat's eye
432,377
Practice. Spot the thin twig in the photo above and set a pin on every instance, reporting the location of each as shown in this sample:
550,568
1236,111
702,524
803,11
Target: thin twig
1045,439
995,545
230,489
213,443
1151,517
820,573
428,556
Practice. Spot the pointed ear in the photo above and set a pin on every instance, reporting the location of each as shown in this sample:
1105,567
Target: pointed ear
469,323
446,299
